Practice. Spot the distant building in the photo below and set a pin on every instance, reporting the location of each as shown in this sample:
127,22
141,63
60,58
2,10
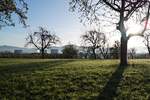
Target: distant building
39,51
6,52
18,51
54,51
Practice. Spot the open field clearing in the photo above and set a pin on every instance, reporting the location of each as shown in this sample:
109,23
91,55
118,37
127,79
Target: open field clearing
36,79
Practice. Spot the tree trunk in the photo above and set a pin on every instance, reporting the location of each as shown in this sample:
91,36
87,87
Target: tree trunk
94,54
132,57
123,51
42,53
124,38
148,50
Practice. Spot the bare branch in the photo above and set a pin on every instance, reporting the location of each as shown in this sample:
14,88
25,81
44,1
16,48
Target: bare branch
9,8
42,39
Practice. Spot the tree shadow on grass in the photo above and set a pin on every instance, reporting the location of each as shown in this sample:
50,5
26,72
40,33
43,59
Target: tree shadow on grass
109,90
30,67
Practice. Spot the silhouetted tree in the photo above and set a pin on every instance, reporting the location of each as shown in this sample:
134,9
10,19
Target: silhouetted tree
119,11
132,52
115,50
147,41
93,39
42,40
86,51
104,48
9,8
70,51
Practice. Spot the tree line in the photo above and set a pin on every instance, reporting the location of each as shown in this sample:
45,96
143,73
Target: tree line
117,12
92,41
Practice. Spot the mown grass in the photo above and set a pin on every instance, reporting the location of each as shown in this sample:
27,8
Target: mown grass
36,79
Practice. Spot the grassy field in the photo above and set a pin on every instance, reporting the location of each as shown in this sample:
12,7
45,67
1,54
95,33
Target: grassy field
35,79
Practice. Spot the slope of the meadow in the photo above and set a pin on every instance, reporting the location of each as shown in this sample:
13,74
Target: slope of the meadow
35,79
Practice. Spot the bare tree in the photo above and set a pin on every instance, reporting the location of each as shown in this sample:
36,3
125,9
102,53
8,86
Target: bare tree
115,50
147,41
132,52
121,10
10,8
42,40
104,48
117,45
86,51
93,39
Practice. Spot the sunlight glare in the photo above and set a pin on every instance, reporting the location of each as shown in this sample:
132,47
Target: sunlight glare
134,28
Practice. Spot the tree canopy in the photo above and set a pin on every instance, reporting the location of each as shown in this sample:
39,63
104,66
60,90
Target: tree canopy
116,12
42,39
70,51
11,8
94,39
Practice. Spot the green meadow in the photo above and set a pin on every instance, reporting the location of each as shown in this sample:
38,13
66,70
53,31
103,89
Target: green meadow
38,79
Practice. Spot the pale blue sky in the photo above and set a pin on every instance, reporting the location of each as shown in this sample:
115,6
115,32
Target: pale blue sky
52,14
55,16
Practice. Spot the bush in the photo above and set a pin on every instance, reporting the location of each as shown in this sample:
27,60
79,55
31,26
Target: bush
70,51
30,55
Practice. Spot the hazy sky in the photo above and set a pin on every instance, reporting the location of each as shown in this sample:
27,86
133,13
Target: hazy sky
52,14
55,16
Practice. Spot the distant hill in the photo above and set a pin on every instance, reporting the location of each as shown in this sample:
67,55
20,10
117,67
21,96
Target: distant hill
6,48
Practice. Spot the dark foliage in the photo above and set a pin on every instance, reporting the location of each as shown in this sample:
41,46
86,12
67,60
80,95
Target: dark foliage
70,51
10,8
115,50
30,55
